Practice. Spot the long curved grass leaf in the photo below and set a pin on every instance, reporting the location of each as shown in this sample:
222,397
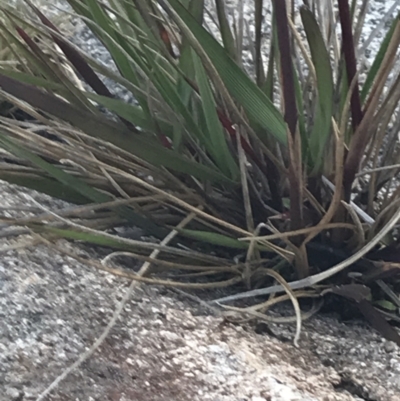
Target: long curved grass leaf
295,168
378,60
61,176
129,112
364,131
184,90
301,116
219,239
25,56
323,115
268,86
258,107
121,243
104,28
91,194
33,80
350,59
258,59
169,93
76,59
219,148
286,66
103,128
225,30
52,70
44,185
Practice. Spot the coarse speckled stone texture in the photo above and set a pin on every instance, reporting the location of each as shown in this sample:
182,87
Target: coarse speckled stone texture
164,347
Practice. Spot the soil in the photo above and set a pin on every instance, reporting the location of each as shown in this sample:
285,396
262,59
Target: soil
164,346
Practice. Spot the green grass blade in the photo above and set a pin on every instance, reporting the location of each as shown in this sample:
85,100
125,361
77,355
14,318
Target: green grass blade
104,27
301,117
258,107
268,86
129,112
79,186
185,91
96,239
378,60
117,242
61,176
48,68
33,80
117,134
169,93
219,148
44,185
323,115
225,30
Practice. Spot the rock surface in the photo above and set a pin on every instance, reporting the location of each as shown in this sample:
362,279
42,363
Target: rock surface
164,347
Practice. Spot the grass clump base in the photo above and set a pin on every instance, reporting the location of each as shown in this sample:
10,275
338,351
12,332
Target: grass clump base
285,180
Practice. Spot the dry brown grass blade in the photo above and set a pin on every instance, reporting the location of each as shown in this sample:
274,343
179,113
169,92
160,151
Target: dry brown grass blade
78,211
288,234
251,253
264,306
290,295
360,21
317,278
384,216
167,265
363,132
232,313
144,246
359,232
21,244
304,52
335,203
152,281
143,270
295,169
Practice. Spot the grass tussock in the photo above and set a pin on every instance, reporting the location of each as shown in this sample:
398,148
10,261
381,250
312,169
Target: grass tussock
285,179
